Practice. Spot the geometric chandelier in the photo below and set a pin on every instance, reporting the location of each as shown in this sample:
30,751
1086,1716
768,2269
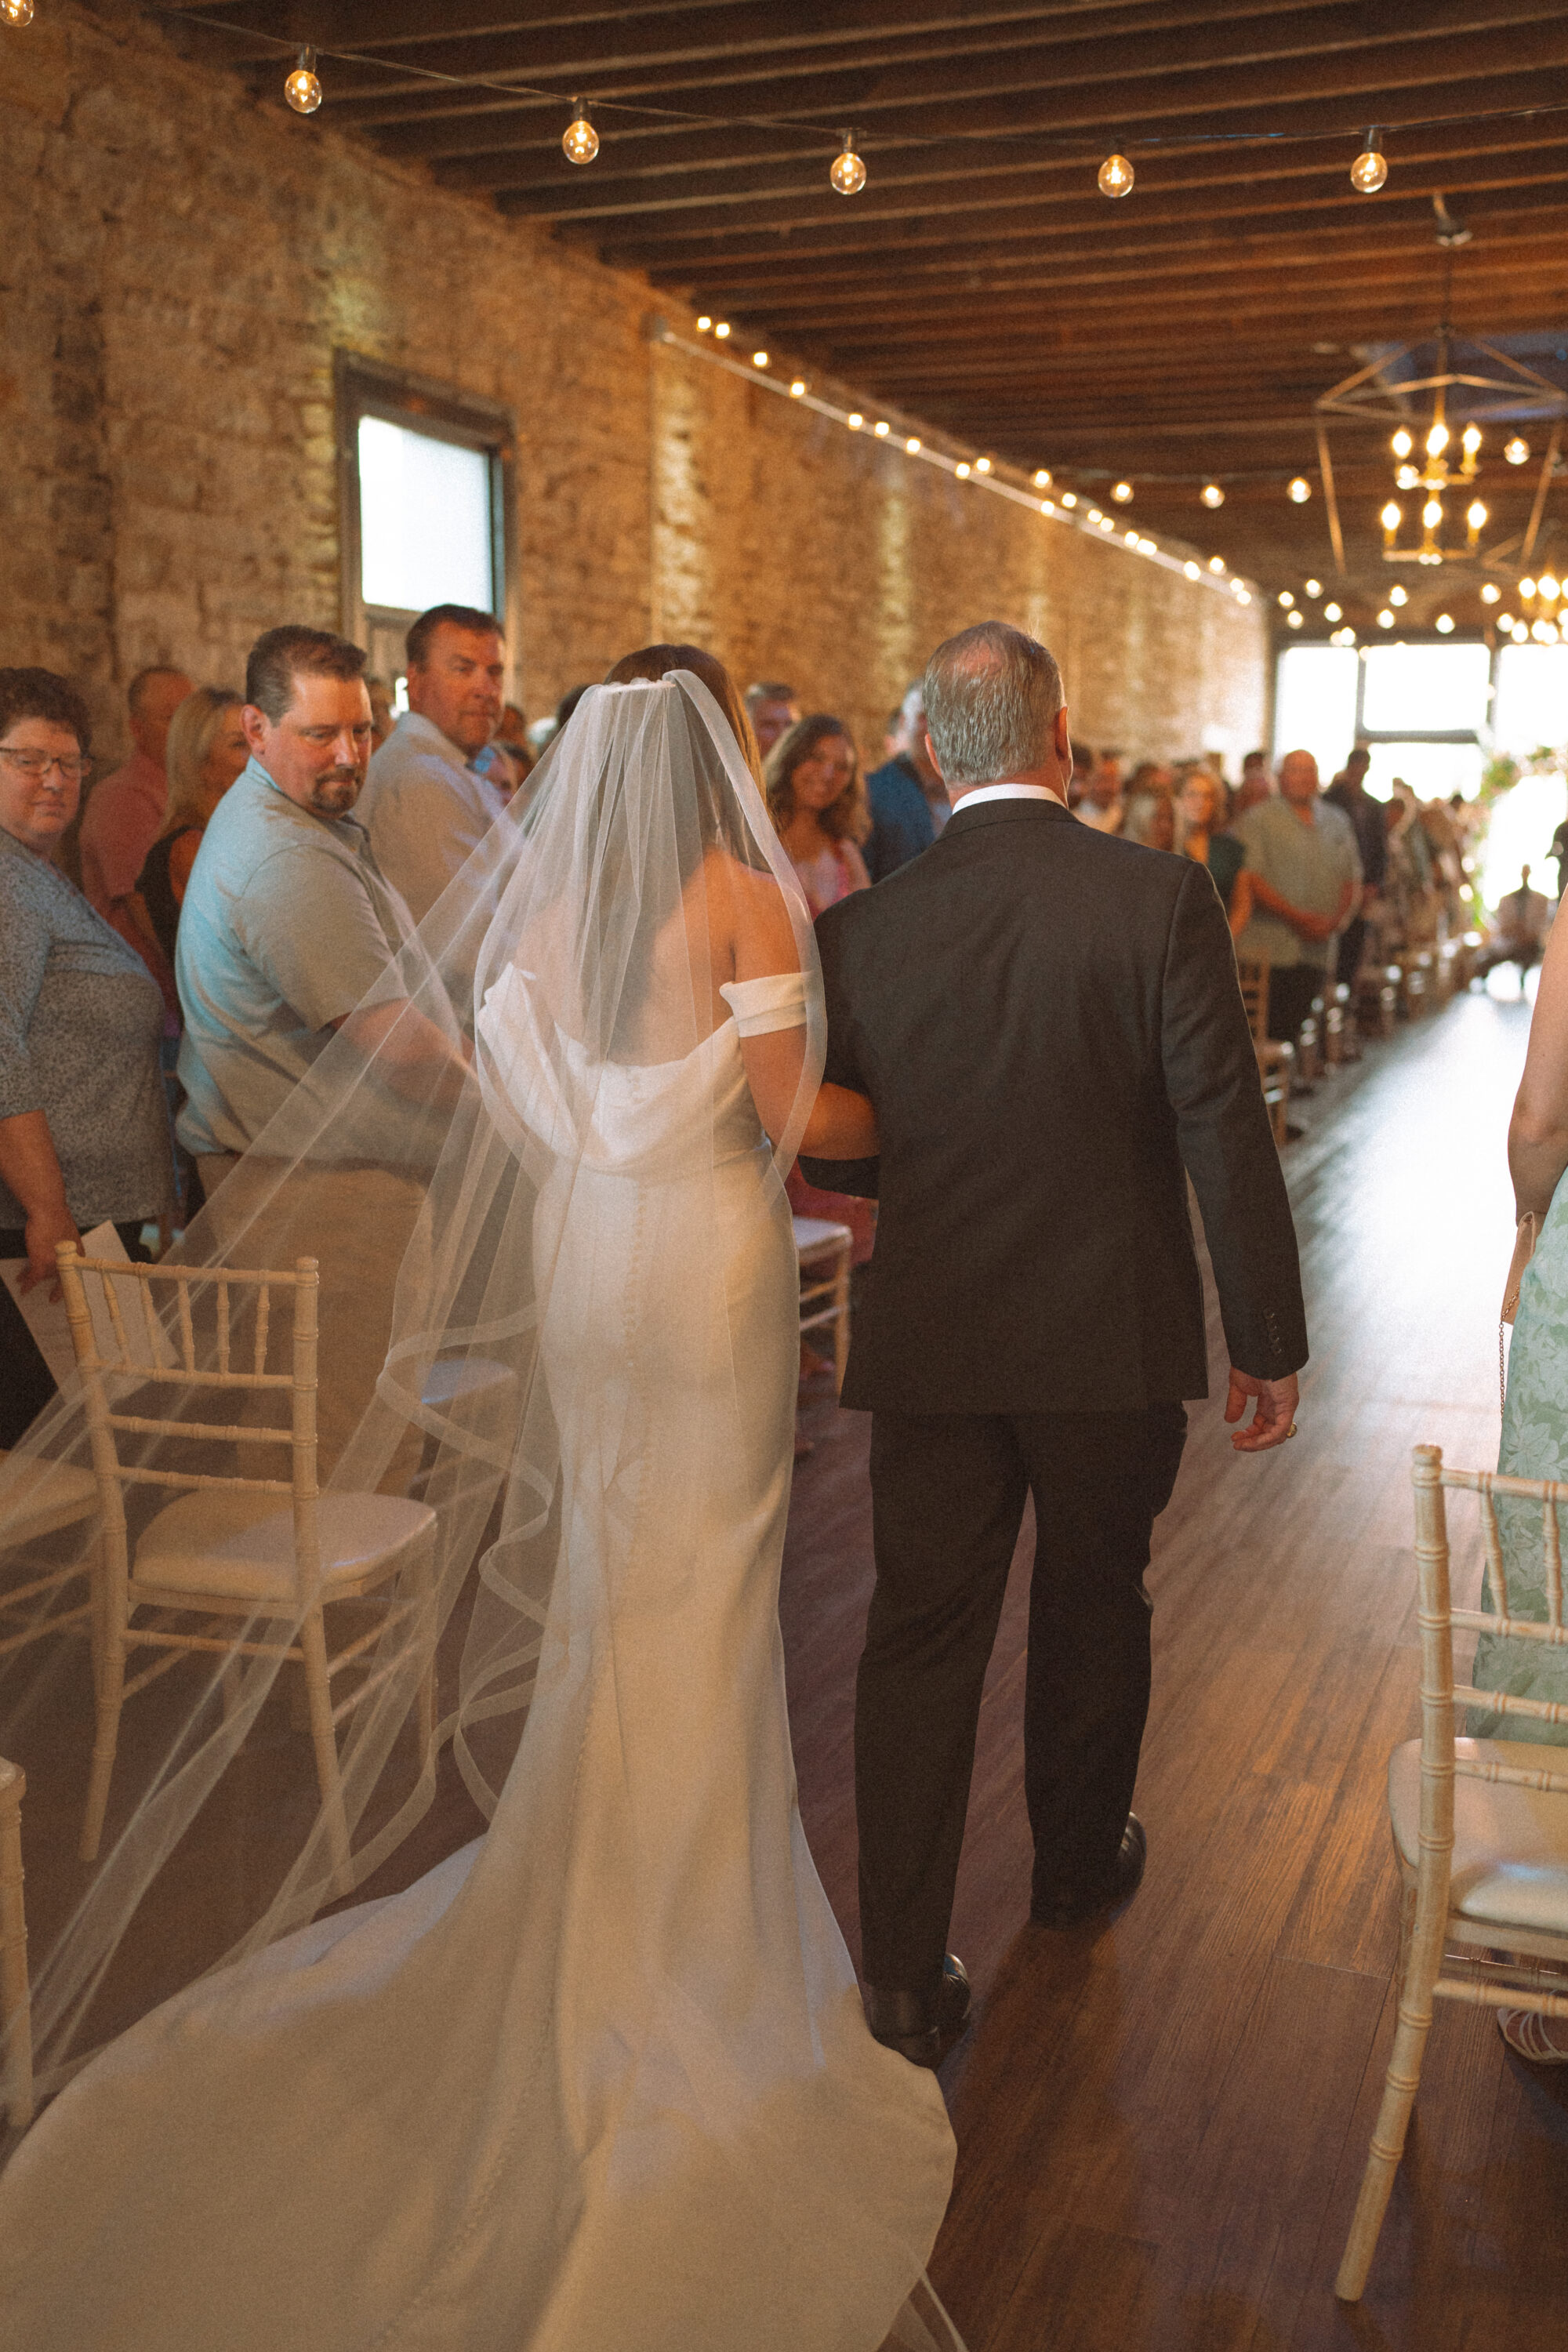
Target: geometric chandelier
1444,423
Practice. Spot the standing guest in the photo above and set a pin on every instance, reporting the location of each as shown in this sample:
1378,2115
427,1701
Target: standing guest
1304,872
1519,930
383,717
1100,807
899,793
1149,817
1256,783
124,816
817,801
772,711
84,1131
1049,1030
1200,815
1348,792
286,935
507,760
426,806
207,751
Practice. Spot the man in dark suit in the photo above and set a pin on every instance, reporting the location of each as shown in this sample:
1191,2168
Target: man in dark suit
1048,1021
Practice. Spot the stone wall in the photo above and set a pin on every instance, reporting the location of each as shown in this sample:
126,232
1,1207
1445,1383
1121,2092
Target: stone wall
179,262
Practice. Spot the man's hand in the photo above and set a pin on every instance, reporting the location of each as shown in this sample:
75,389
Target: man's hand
1274,1418
47,1227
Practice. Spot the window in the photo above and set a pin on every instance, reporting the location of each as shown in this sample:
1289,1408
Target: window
1531,698
1423,707
1419,689
425,495
1314,704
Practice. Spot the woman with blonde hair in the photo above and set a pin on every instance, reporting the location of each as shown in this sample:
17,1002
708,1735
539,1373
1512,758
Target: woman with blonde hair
206,752
817,800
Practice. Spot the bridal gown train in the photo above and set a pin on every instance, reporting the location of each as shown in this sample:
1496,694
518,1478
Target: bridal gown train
600,2082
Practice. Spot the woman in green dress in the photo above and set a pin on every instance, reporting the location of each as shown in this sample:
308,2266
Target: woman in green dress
1535,1413
1201,815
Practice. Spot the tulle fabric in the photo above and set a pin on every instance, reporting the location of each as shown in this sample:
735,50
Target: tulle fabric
602,2076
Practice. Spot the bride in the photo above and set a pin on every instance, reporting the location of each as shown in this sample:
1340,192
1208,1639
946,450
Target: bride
601,2081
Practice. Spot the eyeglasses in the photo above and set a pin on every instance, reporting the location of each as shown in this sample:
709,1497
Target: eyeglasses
36,765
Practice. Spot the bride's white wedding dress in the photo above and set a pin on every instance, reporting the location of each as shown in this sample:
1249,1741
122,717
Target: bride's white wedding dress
601,2081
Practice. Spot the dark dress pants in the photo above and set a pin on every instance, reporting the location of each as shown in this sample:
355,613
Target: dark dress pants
948,1492
1292,988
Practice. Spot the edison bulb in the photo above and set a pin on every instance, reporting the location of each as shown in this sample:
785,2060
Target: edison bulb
1286,599
721,331
1432,513
797,389
1216,563
20,12
1437,440
961,470
1292,620
1470,439
848,173
1398,596
580,140
881,428
1516,451
1550,588
1123,493
1385,619
1194,571
983,465
913,444
1042,477
1116,177
1299,491
1314,587
1490,591
1332,612
1474,514
1370,169
301,89
1527,589
1212,495
1402,444
1445,624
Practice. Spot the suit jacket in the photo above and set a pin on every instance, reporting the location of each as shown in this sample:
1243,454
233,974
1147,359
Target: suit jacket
1048,1021
901,821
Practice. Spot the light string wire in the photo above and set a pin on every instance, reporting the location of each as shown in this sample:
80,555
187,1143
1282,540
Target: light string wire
1069,144
912,447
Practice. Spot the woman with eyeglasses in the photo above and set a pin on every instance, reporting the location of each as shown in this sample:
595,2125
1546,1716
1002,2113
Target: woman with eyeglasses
84,1130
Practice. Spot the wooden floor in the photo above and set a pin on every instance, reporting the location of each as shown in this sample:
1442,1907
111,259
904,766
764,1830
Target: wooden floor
1161,2126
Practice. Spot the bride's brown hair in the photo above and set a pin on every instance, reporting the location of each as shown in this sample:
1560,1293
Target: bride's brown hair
658,661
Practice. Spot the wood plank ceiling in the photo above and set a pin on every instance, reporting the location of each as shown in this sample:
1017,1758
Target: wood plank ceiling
980,281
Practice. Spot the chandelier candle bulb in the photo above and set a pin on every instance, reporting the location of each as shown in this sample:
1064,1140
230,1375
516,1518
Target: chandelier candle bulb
1470,440
1527,589
1370,169
1437,439
1391,519
1116,177
1408,478
1432,513
579,140
1549,588
301,89
1402,444
848,173
1516,452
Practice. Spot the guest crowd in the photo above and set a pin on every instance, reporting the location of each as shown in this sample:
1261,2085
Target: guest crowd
249,873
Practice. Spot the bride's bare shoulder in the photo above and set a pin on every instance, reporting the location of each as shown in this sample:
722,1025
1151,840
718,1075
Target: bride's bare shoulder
748,915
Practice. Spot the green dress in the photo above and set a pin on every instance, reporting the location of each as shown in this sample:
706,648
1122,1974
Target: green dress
1534,1445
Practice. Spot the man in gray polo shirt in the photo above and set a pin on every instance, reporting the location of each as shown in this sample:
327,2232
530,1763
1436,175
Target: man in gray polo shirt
1306,876
286,935
426,807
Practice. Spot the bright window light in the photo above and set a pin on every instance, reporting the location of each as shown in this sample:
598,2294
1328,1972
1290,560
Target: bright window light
1314,704
425,519
1425,688
1531,697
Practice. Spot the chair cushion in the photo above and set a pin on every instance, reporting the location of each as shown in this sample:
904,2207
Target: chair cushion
819,1232
1510,1844
241,1547
37,1496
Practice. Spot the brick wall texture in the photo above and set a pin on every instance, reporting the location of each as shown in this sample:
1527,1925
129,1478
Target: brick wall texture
179,262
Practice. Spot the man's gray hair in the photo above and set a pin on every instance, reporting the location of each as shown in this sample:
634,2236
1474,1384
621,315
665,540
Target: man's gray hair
990,695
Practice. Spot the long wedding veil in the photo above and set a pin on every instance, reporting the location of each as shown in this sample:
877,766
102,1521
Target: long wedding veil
580,927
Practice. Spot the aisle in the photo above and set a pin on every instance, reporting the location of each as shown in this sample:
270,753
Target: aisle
1161,2130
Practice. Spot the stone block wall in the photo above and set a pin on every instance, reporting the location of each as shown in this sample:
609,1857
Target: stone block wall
178,263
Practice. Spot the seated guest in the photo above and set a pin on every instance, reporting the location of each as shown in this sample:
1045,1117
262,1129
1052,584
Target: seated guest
1304,871
84,1133
1151,818
206,752
1101,803
426,806
817,802
124,816
902,792
1518,931
1200,817
772,711
285,938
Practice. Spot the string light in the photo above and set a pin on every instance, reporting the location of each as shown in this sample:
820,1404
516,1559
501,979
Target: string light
1332,612
1286,599
721,331
1343,638
881,428
1069,498
961,470
1516,452
1048,506
1216,563
1385,619
1042,477
1445,624
1370,169
1194,571
704,323
1299,491
759,359
1116,177
1212,495
1399,594
983,465
579,140
913,444
302,90
848,173
1292,620
1313,587
797,389
17,12
1122,494
1490,591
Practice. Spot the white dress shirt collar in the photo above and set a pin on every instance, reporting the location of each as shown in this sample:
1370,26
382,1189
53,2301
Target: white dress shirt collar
1006,793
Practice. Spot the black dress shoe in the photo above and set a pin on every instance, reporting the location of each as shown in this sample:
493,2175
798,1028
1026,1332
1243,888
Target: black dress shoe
920,2026
1073,1906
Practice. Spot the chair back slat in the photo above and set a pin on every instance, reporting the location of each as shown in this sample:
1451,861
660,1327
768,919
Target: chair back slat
1493,1541
1553,1543
263,1310
117,1321
187,1329
307,1541
222,1325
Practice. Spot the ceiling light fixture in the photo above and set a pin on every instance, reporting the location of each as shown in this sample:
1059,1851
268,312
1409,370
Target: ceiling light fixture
848,173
